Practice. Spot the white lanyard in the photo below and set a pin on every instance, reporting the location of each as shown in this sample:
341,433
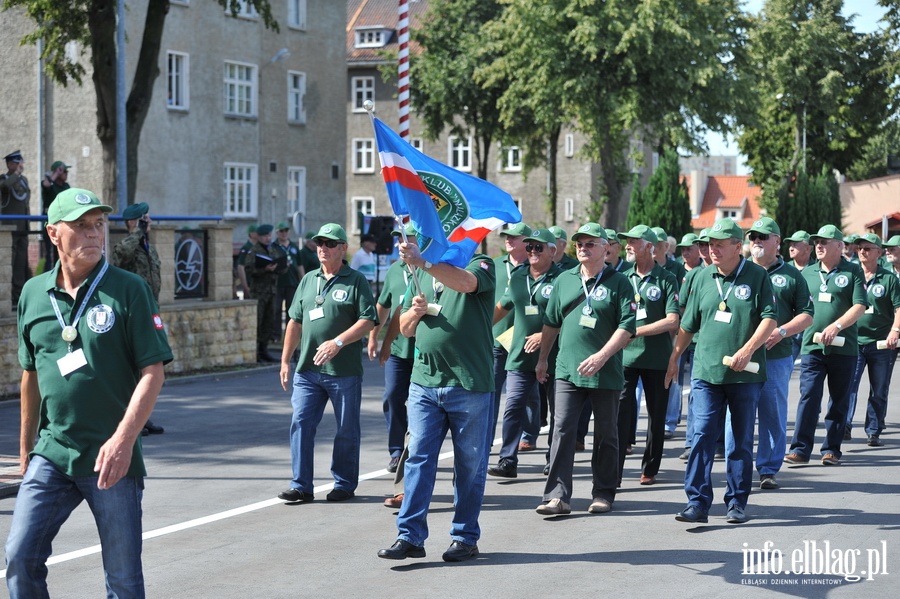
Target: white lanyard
320,297
824,286
637,292
724,297
587,296
537,284
70,332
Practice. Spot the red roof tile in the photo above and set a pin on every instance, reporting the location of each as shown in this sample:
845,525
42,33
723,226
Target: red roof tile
374,13
729,192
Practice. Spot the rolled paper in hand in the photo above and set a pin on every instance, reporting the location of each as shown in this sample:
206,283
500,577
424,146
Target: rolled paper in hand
837,341
881,344
750,367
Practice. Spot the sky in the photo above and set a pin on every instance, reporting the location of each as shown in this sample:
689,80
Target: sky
868,13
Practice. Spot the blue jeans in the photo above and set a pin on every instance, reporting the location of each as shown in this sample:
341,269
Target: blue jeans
673,410
710,404
880,364
397,372
45,500
814,367
521,392
531,428
432,412
500,356
772,417
312,391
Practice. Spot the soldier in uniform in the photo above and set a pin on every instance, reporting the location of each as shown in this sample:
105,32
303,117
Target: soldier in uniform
14,197
242,257
264,263
54,183
288,282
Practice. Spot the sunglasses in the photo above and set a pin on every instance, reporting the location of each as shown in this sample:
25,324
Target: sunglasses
761,236
329,243
586,244
535,247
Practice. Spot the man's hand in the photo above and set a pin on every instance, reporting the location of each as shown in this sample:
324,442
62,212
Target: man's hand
591,365
113,461
533,343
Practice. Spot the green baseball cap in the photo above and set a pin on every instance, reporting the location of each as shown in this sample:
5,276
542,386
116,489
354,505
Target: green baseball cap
135,211
688,240
871,238
725,229
766,226
251,228
517,230
72,204
800,235
828,232
591,230
661,234
852,238
309,235
559,232
703,237
264,229
282,226
332,231
892,242
640,232
58,164
612,235
541,236
408,229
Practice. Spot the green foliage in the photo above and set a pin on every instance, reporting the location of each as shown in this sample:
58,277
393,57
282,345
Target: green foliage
808,203
666,202
636,210
872,163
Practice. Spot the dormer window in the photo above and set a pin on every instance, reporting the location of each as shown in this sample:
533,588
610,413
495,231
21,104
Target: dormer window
372,37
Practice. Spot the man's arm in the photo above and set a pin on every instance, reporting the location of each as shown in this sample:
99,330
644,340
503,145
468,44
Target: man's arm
409,319
383,314
291,339
114,458
548,338
454,277
594,362
741,357
669,324
329,349
682,342
31,408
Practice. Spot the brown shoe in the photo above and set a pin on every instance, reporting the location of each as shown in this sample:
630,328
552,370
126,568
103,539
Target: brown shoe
796,458
579,446
394,502
647,480
526,446
829,459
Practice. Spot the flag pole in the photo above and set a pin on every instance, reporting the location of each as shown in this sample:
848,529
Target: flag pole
403,68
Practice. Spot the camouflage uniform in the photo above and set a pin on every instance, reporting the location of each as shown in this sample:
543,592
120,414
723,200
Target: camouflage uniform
135,254
263,286
15,196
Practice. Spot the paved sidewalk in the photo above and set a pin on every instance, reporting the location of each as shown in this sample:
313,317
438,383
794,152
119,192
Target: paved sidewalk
9,475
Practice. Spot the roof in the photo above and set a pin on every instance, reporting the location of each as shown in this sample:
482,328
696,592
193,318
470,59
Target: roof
734,192
877,222
378,13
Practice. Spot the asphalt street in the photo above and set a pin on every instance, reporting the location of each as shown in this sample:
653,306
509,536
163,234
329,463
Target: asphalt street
214,527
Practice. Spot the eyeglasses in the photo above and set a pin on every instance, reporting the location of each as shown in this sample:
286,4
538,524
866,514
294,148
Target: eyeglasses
586,244
761,236
535,247
329,243
867,248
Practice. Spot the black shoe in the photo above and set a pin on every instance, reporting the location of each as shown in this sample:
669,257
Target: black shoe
401,550
339,495
505,469
720,454
460,552
547,469
874,441
692,514
847,436
392,465
296,496
152,429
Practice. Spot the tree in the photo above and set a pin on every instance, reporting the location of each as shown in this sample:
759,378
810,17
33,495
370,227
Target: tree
666,201
808,203
92,24
873,160
637,212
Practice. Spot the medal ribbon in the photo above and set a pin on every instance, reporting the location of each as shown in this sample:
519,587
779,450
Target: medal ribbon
84,302
637,292
587,296
324,292
733,282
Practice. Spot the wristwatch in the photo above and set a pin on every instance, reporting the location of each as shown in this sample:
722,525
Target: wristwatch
427,265
895,329
338,342
838,326
782,331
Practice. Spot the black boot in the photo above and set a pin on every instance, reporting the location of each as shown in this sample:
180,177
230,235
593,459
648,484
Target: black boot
262,353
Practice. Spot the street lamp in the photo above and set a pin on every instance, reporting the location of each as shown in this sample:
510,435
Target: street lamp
781,96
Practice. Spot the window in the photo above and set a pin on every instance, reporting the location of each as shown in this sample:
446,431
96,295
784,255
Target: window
374,37
570,145
364,155
461,153
240,89
182,2
245,10
296,190
512,159
363,89
417,143
296,96
240,189
569,210
733,214
297,14
177,80
636,155
361,207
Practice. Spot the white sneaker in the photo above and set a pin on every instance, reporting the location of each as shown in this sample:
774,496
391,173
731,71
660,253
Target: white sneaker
554,507
599,506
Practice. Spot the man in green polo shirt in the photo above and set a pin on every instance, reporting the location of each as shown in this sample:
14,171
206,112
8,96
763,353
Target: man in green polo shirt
591,316
839,299
799,250
646,356
892,255
333,309
562,257
92,347
732,307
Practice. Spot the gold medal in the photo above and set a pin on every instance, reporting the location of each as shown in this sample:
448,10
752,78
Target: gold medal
69,334
637,298
722,306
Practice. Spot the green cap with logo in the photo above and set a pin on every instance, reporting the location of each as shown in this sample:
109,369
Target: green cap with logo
542,236
661,234
409,229
640,232
283,226
871,238
590,230
517,230
827,232
725,229
766,226
703,237
559,232
72,204
612,235
892,242
852,238
688,240
332,231
798,236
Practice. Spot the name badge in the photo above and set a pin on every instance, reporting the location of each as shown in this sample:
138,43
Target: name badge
587,322
722,316
71,362
870,310
532,311
433,309
825,297
317,313
641,314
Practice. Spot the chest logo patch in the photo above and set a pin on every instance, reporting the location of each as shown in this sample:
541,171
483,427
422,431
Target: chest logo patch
100,319
654,293
878,290
339,295
842,281
779,280
546,290
600,294
742,292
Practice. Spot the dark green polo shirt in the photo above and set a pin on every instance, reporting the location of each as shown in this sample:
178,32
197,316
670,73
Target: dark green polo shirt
675,267
503,269
659,297
883,293
453,348
683,295
610,304
846,286
347,299
568,262
791,298
396,282
120,333
527,299
749,301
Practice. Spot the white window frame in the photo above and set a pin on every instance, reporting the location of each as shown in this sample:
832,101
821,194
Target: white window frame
364,205
296,86
370,38
181,2
418,143
241,189
569,210
296,190
297,14
459,152
363,154
232,85
731,213
569,145
362,88
245,10
179,79
511,159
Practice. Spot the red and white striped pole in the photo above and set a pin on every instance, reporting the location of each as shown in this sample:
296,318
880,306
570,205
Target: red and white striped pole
403,67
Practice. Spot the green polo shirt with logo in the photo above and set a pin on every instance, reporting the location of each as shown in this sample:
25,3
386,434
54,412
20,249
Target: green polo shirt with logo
659,297
453,348
526,291
683,295
610,303
396,282
503,269
791,299
347,299
120,332
846,285
883,293
749,301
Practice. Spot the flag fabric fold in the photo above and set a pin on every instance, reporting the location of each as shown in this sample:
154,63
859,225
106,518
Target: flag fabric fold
453,211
